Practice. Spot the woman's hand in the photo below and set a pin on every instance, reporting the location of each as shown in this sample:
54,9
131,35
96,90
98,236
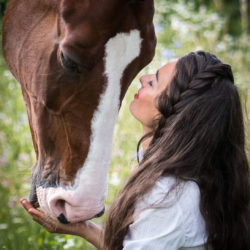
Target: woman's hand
87,229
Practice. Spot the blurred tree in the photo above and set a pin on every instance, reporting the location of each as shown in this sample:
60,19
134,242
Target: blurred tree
244,23
3,5
235,12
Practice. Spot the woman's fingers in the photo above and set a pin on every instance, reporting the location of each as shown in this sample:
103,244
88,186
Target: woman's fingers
36,214
25,203
39,216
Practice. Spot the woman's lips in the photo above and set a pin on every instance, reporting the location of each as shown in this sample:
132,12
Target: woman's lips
136,96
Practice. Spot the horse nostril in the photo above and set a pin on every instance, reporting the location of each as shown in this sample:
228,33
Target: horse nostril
59,205
100,214
63,219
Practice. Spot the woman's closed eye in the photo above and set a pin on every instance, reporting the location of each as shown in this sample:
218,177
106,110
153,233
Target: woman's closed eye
150,83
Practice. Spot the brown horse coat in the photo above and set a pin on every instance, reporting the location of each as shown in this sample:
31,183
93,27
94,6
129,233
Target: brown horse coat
75,60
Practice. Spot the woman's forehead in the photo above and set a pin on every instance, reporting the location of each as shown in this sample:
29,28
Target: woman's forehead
166,73
168,67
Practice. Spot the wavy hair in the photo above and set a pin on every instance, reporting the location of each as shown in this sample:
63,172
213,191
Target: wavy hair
199,137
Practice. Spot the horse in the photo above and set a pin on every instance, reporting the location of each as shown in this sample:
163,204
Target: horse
75,61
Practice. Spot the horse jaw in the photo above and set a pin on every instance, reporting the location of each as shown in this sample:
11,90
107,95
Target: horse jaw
86,198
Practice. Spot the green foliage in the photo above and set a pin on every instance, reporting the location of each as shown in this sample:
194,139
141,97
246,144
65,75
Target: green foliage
229,10
182,26
3,6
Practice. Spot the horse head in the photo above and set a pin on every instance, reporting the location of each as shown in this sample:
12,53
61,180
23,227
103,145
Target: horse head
75,60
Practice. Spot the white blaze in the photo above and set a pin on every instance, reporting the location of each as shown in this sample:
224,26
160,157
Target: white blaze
86,198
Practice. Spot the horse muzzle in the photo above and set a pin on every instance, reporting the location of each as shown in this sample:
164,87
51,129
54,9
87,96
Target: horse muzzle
71,206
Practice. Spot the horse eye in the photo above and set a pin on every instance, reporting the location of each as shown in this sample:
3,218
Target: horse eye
70,64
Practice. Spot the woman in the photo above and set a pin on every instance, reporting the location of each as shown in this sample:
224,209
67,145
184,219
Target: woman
191,189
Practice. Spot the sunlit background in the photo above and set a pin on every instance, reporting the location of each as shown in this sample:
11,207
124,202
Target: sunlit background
218,26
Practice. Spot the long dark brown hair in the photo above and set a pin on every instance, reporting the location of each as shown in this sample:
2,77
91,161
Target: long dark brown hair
199,137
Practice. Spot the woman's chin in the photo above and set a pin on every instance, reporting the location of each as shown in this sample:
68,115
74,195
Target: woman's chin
133,110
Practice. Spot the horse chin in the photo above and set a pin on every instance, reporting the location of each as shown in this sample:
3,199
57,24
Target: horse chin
33,199
36,205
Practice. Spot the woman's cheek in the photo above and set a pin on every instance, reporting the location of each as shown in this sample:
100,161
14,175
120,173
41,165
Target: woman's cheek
133,108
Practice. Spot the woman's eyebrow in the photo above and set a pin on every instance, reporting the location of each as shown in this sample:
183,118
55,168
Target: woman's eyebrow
157,75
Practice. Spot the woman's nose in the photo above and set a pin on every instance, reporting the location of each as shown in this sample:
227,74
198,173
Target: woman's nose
143,80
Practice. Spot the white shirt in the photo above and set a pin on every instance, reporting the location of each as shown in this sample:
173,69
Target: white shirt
169,223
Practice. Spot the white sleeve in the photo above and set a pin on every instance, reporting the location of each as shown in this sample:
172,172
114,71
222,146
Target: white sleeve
156,228
175,223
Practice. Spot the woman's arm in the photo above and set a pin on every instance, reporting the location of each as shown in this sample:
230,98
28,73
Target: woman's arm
88,230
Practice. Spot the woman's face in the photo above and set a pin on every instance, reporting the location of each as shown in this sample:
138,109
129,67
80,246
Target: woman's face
143,107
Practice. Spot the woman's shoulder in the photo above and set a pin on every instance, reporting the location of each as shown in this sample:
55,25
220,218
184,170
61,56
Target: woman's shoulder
166,193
